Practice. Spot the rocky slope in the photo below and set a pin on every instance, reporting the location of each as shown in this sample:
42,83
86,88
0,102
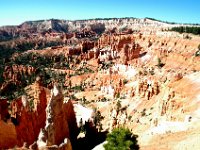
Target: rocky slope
67,26
147,81
30,121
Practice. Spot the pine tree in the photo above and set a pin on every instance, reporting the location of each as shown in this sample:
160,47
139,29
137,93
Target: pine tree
121,139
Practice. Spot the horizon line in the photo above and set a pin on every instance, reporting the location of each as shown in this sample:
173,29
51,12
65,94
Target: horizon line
102,18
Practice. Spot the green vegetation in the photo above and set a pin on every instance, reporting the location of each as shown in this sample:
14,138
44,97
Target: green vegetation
197,53
97,119
106,65
143,112
82,71
39,63
8,48
117,95
152,71
119,105
31,104
104,99
13,90
37,60
159,63
77,88
181,29
121,139
125,81
129,118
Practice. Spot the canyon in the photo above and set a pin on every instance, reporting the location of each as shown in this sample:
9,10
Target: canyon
128,72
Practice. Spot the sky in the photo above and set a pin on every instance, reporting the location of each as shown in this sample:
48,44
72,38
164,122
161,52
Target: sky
15,12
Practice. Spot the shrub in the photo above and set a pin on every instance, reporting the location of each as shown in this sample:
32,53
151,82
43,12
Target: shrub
188,37
78,88
159,63
125,81
121,139
118,105
98,118
143,113
197,53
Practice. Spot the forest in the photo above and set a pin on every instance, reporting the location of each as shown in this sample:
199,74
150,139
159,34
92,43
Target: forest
186,29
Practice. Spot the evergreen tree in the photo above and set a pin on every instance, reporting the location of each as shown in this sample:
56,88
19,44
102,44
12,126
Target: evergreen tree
181,29
121,139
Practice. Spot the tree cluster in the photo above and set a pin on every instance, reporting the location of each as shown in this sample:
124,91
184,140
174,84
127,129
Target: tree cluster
181,29
121,139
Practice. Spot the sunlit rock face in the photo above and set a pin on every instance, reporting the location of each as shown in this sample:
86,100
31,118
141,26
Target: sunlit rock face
46,123
56,122
56,130
9,138
26,122
146,79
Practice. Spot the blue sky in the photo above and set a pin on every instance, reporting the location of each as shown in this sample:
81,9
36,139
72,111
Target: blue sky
15,12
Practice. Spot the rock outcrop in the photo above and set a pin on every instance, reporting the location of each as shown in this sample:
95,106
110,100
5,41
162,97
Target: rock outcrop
90,27
8,135
30,122
3,109
25,123
138,76
57,130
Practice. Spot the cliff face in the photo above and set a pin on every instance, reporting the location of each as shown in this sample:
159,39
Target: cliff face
15,74
95,25
24,126
56,128
31,120
27,121
8,135
153,73
69,113
60,122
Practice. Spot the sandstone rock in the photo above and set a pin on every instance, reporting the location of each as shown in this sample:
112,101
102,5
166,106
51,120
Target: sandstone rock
8,135
177,77
33,146
57,123
86,45
3,109
27,124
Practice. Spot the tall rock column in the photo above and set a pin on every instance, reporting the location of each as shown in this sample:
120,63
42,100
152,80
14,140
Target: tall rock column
56,124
